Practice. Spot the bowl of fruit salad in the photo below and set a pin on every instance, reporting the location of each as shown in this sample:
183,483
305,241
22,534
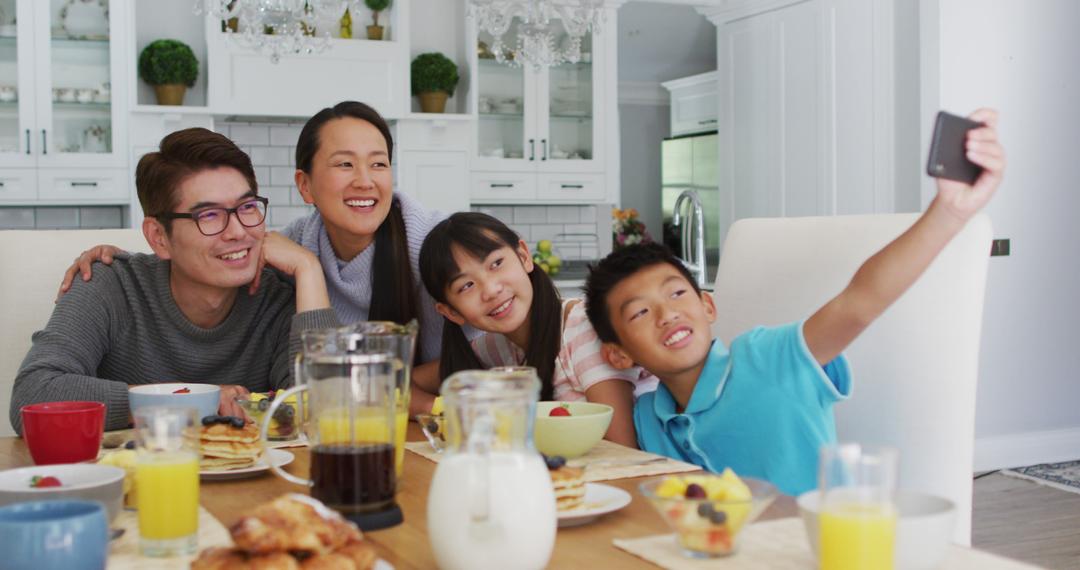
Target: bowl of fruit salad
708,511
570,429
88,481
284,424
203,397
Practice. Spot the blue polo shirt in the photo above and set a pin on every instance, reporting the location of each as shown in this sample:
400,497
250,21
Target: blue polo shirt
764,409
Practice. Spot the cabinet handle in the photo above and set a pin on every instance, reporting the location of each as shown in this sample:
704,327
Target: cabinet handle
707,122
87,184
494,185
571,186
44,143
532,149
27,141
543,148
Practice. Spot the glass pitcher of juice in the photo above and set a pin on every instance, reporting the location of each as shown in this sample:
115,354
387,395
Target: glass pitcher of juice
351,421
857,521
400,341
491,503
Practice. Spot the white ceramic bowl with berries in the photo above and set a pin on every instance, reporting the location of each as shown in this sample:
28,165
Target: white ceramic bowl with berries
203,397
88,481
570,429
708,511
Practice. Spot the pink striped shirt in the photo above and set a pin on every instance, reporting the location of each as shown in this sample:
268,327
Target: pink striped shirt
580,364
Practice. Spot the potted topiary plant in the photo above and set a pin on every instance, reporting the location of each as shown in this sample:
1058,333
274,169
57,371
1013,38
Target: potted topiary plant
375,31
434,78
171,67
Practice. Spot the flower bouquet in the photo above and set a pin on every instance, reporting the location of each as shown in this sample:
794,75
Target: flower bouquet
627,229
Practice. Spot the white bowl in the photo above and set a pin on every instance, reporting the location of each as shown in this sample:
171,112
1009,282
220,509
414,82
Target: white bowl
88,481
203,397
924,527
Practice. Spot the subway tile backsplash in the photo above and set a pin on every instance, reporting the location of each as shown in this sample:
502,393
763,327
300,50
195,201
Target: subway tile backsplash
573,230
62,218
272,147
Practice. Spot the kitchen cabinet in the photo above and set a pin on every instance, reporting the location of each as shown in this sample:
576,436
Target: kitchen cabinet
694,104
544,135
431,159
806,99
243,81
62,109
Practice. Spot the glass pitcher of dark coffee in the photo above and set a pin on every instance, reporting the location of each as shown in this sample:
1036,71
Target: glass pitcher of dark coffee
350,422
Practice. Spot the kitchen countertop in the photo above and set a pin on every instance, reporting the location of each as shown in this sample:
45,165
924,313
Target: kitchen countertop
573,274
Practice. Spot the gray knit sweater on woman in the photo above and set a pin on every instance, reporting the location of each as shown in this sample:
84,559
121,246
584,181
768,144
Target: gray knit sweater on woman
350,282
123,328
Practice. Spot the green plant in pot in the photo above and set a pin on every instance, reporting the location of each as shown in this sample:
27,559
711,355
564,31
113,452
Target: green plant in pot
434,77
171,67
375,31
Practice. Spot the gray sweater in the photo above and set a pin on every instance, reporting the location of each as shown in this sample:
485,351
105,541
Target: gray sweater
123,328
349,283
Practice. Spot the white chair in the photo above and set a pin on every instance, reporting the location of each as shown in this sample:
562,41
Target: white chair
33,263
914,369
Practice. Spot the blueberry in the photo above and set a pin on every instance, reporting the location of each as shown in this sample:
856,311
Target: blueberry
718,517
705,510
236,422
432,427
695,491
210,420
284,414
555,461
130,445
264,405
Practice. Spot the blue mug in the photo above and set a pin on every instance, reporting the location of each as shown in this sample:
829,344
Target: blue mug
54,535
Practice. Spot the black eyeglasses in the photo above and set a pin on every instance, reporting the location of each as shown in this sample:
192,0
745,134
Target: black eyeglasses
213,221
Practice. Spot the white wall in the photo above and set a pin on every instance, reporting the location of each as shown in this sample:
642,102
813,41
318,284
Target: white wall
644,126
1024,59
439,25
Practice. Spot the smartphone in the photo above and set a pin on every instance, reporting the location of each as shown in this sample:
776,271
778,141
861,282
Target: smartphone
948,156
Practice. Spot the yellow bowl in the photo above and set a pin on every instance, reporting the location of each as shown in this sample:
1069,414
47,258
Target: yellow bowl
574,435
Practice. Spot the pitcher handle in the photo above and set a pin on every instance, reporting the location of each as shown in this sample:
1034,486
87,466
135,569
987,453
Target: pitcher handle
265,431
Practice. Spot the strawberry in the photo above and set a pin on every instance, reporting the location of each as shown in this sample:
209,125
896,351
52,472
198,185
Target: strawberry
559,411
182,391
39,482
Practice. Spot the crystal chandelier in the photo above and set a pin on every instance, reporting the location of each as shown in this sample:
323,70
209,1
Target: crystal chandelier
277,27
537,40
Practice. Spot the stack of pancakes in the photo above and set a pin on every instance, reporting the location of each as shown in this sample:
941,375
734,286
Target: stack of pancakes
225,447
569,484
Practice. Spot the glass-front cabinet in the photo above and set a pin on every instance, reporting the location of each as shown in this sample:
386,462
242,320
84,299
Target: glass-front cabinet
541,120
60,62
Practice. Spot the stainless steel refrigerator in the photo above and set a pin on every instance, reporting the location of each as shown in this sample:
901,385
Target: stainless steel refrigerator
691,163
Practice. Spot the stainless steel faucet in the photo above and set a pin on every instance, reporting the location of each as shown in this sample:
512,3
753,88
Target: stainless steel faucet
693,256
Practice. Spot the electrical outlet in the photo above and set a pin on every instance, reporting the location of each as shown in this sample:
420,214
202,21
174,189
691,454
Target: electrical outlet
999,247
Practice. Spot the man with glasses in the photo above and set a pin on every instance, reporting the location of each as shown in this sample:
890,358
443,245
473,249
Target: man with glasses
182,314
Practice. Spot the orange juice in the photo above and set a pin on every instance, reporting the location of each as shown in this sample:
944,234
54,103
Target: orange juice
856,536
168,499
369,427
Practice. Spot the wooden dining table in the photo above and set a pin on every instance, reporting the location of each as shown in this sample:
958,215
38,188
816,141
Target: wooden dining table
406,545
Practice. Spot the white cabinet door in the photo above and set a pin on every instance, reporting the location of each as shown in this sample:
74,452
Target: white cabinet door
439,180
694,104
18,94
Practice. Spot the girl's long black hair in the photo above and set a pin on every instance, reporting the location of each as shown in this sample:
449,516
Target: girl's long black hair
393,295
479,235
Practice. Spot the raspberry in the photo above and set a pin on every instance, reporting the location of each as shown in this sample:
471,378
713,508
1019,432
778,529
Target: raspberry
47,481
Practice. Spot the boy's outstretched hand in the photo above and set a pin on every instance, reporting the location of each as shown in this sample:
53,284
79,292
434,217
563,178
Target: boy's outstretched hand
962,200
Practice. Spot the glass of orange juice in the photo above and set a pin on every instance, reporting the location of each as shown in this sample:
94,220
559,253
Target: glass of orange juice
167,476
857,520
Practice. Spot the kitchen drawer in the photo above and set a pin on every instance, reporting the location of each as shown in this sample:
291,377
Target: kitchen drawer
503,186
571,187
18,184
84,186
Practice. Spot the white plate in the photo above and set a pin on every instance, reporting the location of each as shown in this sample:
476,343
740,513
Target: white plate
599,500
278,456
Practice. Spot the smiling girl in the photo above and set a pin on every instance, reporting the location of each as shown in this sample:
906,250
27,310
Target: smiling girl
481,274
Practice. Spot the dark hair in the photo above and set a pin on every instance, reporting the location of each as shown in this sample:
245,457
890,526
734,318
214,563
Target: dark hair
612,270
180,155
479,235
393,295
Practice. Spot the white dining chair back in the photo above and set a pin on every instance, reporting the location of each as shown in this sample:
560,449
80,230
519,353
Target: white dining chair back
32,263
914,369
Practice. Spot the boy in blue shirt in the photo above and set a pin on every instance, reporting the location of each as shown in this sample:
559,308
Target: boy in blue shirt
764,407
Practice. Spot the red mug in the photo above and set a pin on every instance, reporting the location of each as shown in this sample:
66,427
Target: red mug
63,432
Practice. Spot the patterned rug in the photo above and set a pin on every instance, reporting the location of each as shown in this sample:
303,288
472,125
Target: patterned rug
1064,476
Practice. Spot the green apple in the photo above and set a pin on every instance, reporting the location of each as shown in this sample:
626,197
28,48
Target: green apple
554,261
544,246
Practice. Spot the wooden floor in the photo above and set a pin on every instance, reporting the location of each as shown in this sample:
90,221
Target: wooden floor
1027,521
